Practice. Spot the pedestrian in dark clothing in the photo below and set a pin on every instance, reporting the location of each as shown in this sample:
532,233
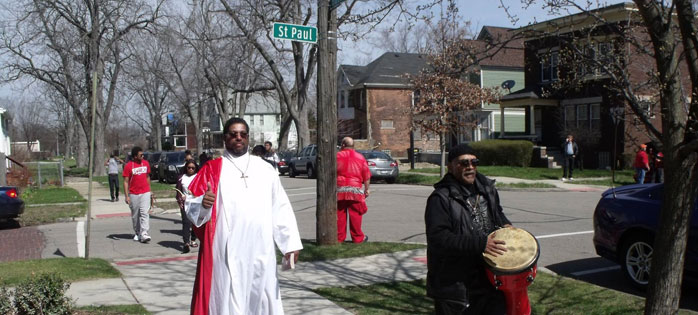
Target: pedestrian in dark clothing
460,216
569,152
113,170
183,182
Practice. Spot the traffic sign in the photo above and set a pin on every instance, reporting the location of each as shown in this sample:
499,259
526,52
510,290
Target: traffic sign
294,32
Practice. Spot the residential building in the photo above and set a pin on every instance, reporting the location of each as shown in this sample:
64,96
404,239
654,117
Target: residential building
374,101
5,143
569,90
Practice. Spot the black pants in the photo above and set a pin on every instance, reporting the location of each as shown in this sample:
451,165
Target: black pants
568,166
114,186
187,233
491,303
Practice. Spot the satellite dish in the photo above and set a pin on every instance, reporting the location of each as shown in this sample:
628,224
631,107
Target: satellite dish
508,84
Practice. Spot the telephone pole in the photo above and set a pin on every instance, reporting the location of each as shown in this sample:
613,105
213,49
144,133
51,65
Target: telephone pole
326,207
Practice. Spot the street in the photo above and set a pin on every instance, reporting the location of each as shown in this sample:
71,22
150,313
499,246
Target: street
562,222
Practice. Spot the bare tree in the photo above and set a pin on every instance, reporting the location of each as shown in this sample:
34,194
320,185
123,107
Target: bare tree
66,43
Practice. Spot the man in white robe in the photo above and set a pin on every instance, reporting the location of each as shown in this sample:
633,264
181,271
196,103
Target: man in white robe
240,212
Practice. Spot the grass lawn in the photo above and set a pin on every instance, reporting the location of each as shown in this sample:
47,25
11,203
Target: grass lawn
111,310
525,185
312,252
70,269
50,195
429,180
51,214
548,295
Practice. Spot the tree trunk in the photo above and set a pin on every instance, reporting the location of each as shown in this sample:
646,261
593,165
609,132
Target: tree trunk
81,156
442,146
303,129
283,134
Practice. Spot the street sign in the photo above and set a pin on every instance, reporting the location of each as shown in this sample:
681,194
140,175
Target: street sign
294,32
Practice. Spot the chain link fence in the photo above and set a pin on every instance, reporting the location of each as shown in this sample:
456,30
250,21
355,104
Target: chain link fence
45,173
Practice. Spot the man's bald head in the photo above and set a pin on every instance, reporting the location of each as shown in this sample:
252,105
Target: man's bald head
347,142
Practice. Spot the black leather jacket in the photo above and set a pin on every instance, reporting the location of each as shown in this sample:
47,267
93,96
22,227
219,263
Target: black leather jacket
454,247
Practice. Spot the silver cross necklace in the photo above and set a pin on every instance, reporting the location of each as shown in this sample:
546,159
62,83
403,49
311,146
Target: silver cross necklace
243,176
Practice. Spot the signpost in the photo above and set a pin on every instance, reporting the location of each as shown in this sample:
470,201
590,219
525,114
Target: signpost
294,32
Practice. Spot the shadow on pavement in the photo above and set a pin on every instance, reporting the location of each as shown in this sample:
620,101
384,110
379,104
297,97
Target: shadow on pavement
614,278
9,224
121,236
172,244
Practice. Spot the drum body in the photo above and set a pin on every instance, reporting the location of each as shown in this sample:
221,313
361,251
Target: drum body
515,270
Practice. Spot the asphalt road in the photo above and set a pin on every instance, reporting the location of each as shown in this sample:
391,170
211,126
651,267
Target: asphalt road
562,222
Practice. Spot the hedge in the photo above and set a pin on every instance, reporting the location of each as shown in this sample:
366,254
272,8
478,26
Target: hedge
504,152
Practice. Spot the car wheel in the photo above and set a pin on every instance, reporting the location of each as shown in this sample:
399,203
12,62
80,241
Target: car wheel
390,180
292,171
311,172
637,260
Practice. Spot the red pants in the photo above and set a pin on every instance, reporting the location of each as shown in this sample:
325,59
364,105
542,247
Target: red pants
355,212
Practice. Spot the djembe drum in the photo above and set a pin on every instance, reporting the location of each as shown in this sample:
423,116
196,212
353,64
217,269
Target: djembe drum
513,271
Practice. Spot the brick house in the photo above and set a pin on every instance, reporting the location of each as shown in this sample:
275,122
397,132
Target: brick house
569,91
374,101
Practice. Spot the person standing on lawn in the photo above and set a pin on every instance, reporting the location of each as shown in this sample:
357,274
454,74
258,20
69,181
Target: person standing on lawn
138,196
352,172
182,187
569,152
240,210
642,164
460,216
113,170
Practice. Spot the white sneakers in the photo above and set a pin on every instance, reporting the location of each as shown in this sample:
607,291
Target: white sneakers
563,179
144,239
136,238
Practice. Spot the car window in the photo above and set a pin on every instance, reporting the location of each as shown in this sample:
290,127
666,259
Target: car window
376,155
314,151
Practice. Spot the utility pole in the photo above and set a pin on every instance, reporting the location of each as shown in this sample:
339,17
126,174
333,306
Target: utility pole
326,206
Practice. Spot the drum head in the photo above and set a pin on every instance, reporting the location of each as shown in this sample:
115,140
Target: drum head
522,251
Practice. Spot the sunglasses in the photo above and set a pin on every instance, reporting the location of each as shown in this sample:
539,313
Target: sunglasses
467,162
191,167
234,134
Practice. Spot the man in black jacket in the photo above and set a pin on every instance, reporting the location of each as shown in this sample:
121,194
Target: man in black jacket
460,214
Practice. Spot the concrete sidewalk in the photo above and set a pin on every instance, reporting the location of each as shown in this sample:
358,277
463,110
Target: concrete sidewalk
164,285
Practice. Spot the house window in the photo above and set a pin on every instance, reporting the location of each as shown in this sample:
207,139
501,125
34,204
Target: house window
583,116
278,119
261,120
180,141
570,116
251,120
342,99
387,124
646,108
549,66
595,116
595,57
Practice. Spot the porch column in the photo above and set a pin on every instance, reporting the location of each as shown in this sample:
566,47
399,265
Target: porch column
532,120
501,118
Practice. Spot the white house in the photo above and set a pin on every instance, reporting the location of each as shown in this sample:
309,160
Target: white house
5,144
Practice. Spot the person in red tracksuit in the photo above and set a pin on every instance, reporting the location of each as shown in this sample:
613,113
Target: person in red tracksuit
352,172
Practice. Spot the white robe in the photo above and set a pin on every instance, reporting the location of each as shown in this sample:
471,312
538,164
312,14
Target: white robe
249,221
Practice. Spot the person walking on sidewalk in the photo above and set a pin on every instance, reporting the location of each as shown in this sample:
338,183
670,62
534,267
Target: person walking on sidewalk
460,214
270,155
113,170
240,211
642,164
138,196
569,152
352,172
182,187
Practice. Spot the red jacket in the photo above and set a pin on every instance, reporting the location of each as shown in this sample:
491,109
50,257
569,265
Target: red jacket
352,172
641,160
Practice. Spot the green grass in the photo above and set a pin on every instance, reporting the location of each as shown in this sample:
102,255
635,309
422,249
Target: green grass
417,179
312,252
50,195
548,295
70,269
51,214
111,309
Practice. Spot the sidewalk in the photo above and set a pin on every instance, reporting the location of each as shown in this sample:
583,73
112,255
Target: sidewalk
165,286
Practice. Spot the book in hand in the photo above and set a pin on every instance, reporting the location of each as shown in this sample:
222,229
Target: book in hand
287,264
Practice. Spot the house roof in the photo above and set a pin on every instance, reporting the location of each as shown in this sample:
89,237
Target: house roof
615,12
388,69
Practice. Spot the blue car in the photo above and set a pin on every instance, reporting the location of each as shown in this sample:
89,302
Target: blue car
626,220
11,206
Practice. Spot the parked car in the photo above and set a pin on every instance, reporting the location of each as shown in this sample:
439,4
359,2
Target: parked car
153,159
285,160
626,220
170,166
11,205
304,162
382,166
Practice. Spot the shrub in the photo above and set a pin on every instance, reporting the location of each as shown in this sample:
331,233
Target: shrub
5,302
43,294
504,152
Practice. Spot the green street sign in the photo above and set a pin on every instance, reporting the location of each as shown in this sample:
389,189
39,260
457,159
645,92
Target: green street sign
300,33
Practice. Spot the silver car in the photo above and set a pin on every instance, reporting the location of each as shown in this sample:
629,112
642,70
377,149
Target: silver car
382,166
